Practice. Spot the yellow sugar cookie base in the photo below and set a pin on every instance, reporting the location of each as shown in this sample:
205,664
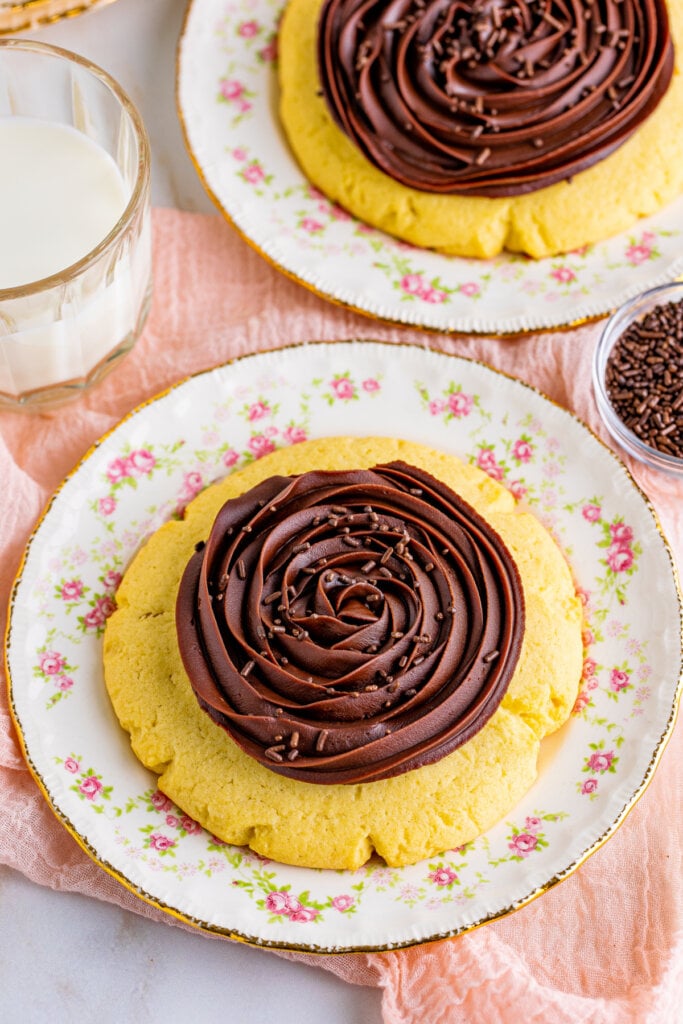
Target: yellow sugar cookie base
638,179
406,818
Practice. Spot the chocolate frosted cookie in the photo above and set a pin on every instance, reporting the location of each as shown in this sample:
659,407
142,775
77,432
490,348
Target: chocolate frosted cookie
351,644
369,618
491,97
475,126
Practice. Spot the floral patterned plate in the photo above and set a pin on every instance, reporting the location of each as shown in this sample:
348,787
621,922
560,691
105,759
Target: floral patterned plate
157,459
227,102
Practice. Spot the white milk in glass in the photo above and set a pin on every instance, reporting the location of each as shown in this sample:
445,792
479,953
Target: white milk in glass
61,194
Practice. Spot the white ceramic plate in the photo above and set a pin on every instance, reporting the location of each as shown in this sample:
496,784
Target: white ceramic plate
227,101
152,464
31,14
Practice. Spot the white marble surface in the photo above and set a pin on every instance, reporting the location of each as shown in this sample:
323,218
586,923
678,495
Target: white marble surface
65,958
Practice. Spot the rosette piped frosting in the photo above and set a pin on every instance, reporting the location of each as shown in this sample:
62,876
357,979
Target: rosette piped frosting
350,626
491,97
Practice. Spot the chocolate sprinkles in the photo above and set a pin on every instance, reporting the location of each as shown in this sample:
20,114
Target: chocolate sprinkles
644,378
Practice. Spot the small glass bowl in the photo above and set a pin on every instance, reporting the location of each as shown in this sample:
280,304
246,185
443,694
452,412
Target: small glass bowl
63,333
618,323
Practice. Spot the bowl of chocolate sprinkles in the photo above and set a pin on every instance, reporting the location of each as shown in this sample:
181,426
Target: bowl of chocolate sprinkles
638,377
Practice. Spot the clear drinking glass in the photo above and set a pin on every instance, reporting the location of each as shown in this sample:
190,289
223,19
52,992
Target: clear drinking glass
61,334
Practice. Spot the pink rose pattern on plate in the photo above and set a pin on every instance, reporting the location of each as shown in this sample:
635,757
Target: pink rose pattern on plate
413,276
254,49
161,842
343,387
86,783
452,403
529,838
416,284
621,549
53,668
507,458
161,837
246,42
160,845
78,591
318,225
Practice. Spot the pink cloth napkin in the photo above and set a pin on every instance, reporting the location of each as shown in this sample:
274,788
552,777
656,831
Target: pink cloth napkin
604,946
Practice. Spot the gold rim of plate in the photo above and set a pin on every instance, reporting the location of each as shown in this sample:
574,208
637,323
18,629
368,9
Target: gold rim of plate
312,948
31,14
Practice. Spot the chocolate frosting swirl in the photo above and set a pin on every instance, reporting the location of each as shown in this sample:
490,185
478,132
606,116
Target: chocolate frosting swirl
350,626
491,97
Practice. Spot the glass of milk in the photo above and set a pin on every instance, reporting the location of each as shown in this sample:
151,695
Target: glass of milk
75,239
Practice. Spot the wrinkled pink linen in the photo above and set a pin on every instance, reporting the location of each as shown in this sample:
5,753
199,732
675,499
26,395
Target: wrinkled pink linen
605,946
